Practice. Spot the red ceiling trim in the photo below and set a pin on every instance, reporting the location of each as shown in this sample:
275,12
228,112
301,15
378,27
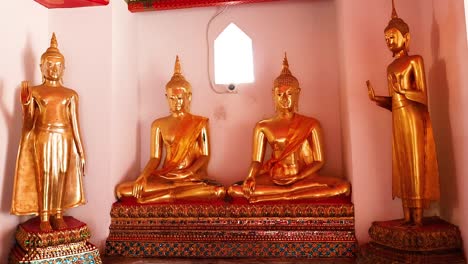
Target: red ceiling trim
149,5
71,3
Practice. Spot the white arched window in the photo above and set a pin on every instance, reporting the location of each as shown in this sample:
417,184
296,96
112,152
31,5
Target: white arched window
233,57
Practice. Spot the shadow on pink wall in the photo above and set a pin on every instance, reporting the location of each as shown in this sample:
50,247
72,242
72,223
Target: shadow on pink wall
439,101
13,123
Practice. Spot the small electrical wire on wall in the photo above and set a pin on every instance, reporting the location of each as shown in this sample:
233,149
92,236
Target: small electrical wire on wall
210,79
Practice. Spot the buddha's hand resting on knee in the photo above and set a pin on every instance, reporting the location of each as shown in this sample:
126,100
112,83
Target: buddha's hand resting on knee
248,187
140,183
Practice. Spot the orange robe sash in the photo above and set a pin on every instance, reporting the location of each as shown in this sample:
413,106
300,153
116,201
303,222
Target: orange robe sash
295,138
188,132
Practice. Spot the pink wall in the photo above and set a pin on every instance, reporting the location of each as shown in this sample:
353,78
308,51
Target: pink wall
119,63
125,125
305,29
24,38
447,67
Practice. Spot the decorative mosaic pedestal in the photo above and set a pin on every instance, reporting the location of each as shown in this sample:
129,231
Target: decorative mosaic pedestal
68,246
225,230
436,241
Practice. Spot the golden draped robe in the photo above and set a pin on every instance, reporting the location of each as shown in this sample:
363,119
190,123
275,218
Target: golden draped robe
298,132
415,168
25,191
185,143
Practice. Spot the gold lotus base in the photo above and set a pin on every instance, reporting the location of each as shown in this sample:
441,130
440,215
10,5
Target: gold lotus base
436,241
233,230
67,246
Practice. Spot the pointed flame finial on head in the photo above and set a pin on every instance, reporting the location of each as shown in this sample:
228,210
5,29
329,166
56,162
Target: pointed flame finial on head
285,69
286,78
397,22
177,68
53,41
394,13
178,80
53,50
285,61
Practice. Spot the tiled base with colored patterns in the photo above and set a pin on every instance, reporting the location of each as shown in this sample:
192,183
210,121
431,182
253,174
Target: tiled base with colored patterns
372,253
435,241
224,230
222,249
69,245
434,234
90,257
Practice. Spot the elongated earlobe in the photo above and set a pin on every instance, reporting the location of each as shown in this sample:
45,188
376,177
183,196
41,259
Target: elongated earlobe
407,41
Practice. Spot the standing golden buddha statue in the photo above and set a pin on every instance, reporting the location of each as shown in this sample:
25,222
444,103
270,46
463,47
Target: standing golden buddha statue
415,170
51,159
185,139
297,153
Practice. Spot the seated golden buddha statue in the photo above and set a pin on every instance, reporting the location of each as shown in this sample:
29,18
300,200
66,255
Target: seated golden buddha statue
297,153
185,139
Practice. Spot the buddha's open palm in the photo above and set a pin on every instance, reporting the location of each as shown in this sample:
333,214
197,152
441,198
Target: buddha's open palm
26,92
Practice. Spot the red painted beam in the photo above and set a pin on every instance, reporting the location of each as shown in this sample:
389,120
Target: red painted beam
71,3
151,5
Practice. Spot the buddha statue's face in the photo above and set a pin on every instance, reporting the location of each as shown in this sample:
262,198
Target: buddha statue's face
52,68
286,98
178,99
395,40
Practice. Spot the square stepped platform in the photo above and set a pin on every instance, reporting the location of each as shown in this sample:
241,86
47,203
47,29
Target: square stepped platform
236,229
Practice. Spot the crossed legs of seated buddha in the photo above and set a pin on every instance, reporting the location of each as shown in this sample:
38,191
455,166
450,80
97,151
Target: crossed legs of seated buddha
309,188
163,190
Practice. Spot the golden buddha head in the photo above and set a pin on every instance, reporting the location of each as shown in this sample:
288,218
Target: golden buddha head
397,34
286,89
178,91
52,62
